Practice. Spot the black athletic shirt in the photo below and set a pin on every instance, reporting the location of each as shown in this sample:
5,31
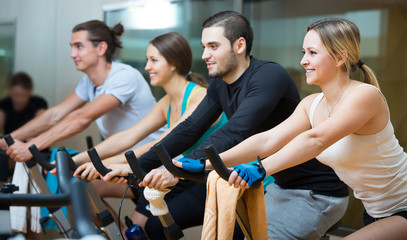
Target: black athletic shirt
15,120
262,97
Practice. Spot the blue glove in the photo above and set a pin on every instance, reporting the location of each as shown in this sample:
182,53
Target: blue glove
253,174
193,165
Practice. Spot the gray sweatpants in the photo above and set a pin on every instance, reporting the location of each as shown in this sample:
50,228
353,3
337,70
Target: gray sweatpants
301,214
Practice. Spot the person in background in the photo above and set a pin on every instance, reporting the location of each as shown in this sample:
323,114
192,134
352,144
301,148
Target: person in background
16,110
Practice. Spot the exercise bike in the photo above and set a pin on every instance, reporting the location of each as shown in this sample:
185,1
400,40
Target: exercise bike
72,193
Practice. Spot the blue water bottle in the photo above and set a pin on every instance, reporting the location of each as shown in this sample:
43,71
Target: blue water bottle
133,231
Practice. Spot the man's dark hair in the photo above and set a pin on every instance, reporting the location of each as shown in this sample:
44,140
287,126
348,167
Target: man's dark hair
23,80
235,25
98,32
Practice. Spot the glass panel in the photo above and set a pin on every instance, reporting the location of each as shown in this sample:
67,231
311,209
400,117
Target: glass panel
144,20
6,56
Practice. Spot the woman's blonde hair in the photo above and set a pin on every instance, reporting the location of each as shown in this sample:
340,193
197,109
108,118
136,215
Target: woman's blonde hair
340,36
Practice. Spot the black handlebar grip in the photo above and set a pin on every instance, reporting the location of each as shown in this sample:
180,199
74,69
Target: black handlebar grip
167,162
135,165
29,199
9,140
94,157
89,142
72,165
38,158
217,162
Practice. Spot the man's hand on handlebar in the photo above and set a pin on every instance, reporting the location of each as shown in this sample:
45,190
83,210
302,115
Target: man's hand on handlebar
245,175
159,179
19,151
87,171
192,165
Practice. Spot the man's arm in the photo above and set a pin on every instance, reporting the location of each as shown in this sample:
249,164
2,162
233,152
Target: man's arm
72,124
76,121
48,119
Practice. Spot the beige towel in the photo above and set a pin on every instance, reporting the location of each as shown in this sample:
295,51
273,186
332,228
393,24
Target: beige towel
220,210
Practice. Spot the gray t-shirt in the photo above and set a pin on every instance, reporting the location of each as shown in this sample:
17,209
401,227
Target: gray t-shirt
131,89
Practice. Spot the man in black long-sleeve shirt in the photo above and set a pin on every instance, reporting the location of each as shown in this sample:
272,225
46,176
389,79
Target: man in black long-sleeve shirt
255,96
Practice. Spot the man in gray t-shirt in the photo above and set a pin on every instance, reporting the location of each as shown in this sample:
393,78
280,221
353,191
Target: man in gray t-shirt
118,95
130,88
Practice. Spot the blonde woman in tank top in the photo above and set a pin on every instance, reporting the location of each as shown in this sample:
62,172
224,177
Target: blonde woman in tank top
346,127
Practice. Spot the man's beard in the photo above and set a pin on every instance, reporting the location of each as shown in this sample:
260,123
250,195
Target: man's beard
229,64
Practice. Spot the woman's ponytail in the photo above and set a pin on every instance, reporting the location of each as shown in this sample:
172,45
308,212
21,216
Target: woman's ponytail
197,78
368,74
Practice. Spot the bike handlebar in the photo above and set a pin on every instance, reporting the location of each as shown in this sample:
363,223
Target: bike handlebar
74,193
48,200
94,157
166,160
38,158
217,162
135,165
41,200
132,179
72,165
89,142
9,140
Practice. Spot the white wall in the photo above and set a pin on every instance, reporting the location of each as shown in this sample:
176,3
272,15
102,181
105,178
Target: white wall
43,32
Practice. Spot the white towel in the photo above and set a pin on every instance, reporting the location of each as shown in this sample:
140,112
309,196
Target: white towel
19,214
158,206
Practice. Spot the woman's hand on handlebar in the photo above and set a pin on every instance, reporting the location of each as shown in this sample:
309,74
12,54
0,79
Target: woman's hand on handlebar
86,171
245,175
116,176
159,179
19,151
